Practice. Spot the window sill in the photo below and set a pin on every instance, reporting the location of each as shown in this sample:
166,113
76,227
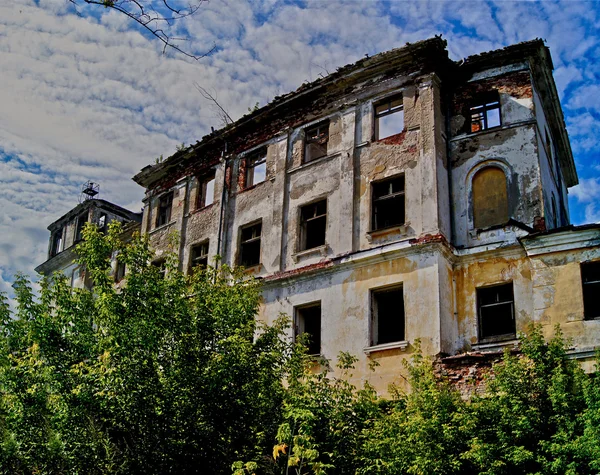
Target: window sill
313,251
161,227
243,190
255,269
302,166
200,210
401,230
496,346
395,345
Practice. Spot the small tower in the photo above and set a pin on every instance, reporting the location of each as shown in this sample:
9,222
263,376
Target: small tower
89,191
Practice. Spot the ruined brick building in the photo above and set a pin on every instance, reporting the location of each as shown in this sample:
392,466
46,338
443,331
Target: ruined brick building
404,196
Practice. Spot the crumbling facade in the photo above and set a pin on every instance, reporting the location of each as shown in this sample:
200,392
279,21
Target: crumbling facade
403,197
66,233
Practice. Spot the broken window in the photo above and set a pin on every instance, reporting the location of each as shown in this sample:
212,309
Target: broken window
163,214
256,168
485,113
496,310
389,117
102,224
206,191
199,256
308,322
315,142
490,199
313,224
161,265
81,220
590,279
56,242
387,315
250,245
388,203
120,271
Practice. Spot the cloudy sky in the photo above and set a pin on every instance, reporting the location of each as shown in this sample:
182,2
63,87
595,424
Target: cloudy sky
85,94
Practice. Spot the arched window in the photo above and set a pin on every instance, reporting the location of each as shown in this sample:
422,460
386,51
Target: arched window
490,199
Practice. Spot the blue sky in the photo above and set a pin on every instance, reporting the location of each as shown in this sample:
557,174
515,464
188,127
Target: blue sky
86,95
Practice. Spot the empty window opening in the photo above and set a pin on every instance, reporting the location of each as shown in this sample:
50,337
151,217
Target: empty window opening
199,256
389,117
315,142
81,220
161,265
165,205
387,315
308,322
496,309
120,271
313,219
206,191
250,245
388,203
490,198
102,223
56,242
256,168
590,278
485,113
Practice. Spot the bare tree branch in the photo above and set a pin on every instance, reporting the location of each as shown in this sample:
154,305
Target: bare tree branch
145,14
221,112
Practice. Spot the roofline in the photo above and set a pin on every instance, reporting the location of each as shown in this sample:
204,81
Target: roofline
123,212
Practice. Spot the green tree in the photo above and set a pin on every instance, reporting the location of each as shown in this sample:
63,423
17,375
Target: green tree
164,375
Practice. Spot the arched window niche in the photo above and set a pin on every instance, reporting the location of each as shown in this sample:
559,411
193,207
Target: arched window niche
490,197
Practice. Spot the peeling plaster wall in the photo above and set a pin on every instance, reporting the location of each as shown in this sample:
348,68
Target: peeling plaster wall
513,147
344,294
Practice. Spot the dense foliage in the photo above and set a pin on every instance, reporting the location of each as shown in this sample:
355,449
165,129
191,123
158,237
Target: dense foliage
172,374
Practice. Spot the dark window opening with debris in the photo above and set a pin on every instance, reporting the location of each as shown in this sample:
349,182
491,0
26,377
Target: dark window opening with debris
161,265
56,244
496,309
590,278
199,256
313,219
163,215
256,168
315,142
387,314
485,113
490,198
120,271
81,220
388,203
206,191
308,322
250,245
389,117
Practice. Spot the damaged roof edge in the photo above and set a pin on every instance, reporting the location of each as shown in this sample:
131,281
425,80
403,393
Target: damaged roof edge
151,173
116,209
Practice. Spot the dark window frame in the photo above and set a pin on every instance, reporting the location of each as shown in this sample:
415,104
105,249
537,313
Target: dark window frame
590,287
201,195
164,209
161,265
396,196
483,335
103,223
480,106
303,313
200,259
311,216
316,137
56,242
391,108
252,161
81,220
120,270
384,328
247,243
